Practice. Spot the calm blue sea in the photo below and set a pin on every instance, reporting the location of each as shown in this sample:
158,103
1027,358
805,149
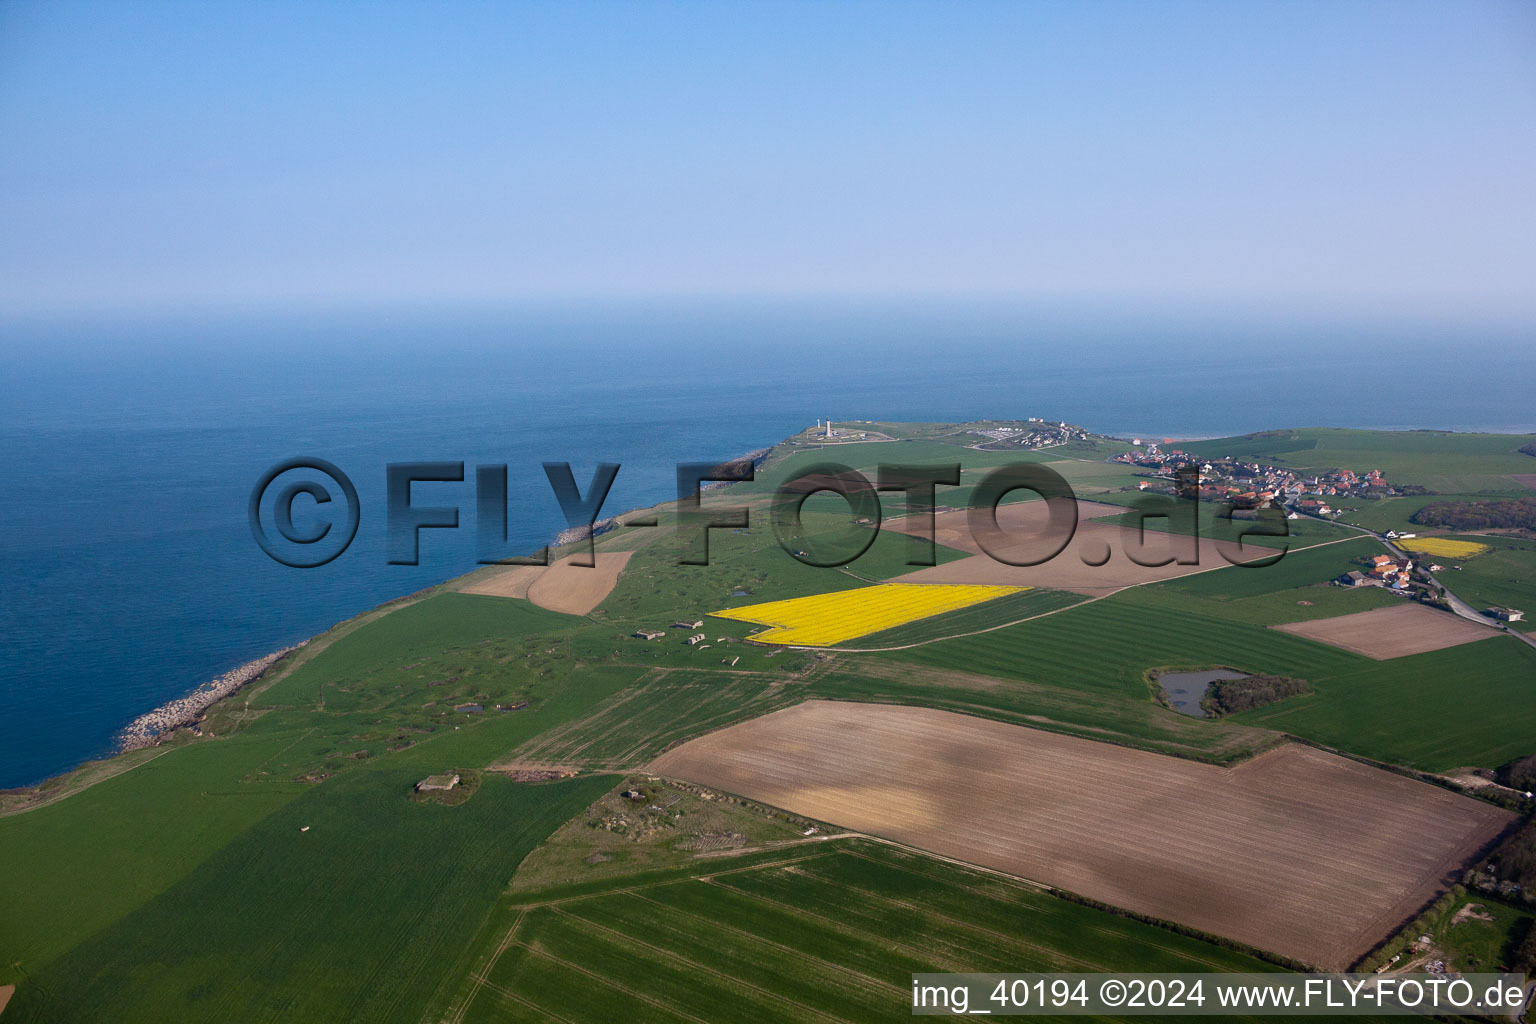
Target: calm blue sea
128,574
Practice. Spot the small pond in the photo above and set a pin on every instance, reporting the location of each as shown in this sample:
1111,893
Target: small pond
1186,690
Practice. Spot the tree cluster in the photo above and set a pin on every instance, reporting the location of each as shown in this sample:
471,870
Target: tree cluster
1510,872
1479,515
1229,696
1519,774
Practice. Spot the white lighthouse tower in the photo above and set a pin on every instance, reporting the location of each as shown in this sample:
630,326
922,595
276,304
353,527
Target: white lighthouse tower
829,429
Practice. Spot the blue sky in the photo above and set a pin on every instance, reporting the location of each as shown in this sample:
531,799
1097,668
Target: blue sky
1378,156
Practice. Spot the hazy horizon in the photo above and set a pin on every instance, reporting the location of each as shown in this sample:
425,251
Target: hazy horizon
1363,157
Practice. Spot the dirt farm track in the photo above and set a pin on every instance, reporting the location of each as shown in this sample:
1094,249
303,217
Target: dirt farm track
1297,851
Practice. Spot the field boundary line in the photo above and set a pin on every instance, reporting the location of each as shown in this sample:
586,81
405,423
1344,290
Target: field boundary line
791,950
938,915
830,923
702,968
509,994
653,1001
974,632
482,978
657,883
943,858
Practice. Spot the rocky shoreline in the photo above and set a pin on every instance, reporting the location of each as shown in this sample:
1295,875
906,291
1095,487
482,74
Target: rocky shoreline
150,728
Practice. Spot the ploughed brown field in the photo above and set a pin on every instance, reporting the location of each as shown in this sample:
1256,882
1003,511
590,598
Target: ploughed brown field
1070,570
513,581
562,587
1392,632
1296,851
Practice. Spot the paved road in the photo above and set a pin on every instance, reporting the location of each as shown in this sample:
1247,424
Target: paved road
1460,607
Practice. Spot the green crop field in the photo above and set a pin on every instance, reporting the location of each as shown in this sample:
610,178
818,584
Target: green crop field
1504,576
1463,706
360,917
94,858
818,932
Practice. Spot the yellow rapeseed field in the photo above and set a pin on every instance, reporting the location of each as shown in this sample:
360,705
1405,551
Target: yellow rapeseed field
826,619
1442,547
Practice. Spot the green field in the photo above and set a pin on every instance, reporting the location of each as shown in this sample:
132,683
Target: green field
1504,576
1464,706
664,707
816,932
359,918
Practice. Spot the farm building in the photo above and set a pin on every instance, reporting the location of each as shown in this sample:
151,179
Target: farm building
1353,578
437,783
680,624
650,634
1507,614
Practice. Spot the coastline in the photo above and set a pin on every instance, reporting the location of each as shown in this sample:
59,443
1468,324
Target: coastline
157,724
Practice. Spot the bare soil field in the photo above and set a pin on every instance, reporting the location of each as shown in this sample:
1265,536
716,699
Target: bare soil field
577,589
562,587
1392,632
1296,851
1524,479
513,581
6,992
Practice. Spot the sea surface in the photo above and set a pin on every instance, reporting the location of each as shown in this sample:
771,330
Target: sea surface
129,574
